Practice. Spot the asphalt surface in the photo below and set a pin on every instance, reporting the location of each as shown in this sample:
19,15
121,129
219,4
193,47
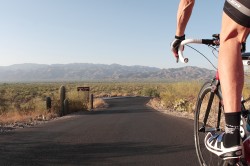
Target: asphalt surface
126,134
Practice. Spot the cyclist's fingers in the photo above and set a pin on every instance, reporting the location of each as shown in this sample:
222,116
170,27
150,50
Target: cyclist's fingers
174,51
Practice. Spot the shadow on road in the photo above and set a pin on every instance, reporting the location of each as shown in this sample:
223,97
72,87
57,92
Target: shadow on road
81,154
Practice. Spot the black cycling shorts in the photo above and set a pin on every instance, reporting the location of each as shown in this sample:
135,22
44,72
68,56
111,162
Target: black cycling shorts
239,11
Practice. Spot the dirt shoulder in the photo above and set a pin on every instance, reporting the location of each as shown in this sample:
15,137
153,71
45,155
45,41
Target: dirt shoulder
156,104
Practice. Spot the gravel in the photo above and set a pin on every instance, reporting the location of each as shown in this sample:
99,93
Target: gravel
17,125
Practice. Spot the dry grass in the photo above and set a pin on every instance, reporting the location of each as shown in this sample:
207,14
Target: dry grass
24,102
15,116
182,96
99,103
20,102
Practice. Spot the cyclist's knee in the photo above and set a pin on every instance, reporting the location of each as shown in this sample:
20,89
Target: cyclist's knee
232,30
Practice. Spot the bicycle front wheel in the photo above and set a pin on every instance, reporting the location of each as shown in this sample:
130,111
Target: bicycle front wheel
209,117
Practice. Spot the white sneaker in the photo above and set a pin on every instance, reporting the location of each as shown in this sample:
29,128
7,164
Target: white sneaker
215,145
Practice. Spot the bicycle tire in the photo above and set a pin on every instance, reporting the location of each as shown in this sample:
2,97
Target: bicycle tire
214,123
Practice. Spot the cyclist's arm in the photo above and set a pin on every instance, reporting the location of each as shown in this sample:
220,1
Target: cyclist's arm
183,15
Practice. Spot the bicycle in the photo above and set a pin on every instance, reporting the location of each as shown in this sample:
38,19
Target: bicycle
209,113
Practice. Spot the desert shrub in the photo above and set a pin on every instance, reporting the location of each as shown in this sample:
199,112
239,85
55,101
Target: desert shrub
182,105
99,103
151,92
28,98
168,98
76,101
180,96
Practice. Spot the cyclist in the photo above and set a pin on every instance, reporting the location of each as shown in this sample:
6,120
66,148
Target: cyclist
235,29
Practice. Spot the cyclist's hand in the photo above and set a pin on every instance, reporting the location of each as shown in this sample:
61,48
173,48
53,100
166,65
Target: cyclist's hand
175,45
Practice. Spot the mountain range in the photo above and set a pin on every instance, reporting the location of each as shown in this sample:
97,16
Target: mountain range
98,72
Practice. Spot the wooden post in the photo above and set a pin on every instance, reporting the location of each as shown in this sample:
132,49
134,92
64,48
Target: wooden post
48,103
66,106
91,102
62,98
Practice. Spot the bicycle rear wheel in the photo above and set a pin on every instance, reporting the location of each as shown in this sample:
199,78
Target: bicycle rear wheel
209,117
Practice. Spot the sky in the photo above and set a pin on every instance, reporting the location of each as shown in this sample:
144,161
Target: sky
126,32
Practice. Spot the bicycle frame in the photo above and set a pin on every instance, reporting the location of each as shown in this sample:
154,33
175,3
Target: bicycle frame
245,135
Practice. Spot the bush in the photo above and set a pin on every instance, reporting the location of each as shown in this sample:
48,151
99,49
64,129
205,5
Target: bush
180,96
151,92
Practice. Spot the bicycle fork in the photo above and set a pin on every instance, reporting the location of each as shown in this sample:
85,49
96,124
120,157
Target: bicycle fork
214,84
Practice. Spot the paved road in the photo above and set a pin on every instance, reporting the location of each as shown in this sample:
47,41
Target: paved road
127,133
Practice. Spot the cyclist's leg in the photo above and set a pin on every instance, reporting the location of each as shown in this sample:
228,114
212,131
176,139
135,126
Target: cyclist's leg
232,79
230,63
231,72
233,32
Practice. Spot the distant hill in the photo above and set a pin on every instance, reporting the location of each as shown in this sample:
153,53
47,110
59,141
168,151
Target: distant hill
98,72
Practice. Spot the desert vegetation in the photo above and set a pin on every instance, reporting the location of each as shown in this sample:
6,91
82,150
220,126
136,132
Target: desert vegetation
27,101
